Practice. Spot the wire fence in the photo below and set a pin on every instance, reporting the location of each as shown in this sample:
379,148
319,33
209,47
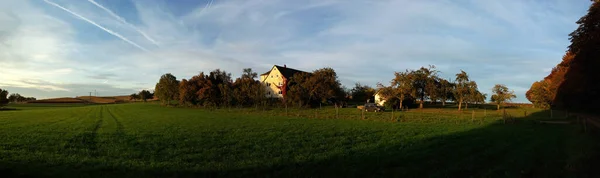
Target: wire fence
431,115
428,115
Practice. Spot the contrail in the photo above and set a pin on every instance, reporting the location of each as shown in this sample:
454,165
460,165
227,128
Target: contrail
99,26
206,6
122,20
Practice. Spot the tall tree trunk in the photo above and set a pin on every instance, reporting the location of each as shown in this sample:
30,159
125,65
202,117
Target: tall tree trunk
400,103
459,104
421,104
337,111
443,102
498,107
466,105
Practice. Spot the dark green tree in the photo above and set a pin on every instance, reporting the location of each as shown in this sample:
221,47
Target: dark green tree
221,88
246,90
167,88
134,96
424,84
445,91
144,95
3,97
15,97
362,93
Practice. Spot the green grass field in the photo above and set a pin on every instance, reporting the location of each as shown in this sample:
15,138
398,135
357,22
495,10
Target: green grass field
146,140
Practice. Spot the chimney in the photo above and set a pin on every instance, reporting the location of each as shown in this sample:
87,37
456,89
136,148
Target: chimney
284,66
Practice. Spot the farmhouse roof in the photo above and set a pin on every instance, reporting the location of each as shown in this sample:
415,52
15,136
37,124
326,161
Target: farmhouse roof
285,71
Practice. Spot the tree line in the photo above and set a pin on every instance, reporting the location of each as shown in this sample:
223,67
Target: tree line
425,84
573,83
5,98
218,89
543,92
322,86
143,95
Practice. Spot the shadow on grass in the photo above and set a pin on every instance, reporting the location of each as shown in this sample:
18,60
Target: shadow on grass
9,109
520,149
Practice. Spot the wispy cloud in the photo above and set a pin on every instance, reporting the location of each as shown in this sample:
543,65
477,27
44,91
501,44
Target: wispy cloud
99,26
122,20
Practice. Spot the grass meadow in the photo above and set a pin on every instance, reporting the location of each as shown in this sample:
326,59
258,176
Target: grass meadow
149,140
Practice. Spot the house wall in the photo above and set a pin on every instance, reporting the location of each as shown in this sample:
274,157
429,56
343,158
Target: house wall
274,78
379,100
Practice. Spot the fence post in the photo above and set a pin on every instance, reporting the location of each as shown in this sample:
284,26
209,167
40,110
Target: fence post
504,115
473,116
393,120
337,112
363,114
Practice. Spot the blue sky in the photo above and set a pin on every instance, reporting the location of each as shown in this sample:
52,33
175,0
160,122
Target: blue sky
56,48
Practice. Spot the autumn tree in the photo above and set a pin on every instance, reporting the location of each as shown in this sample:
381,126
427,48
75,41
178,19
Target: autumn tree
327,86
167,88
401,86
540,94
461,91
502,95
321,86
580,86
299,92
246,89
196,91
473,94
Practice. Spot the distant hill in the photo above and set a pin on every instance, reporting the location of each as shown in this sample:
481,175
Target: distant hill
60,100
87,99
102,100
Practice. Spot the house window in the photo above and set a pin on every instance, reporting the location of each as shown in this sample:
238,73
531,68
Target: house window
277,75
268,84
280,92
271,76
279,83
268,93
